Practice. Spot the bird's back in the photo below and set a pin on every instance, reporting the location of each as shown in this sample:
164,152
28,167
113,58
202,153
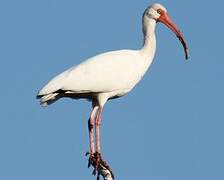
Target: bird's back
107,72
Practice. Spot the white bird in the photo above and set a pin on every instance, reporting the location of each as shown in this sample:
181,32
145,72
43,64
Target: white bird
109,75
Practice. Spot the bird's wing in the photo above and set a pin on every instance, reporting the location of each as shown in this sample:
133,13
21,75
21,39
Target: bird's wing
54,84
103,73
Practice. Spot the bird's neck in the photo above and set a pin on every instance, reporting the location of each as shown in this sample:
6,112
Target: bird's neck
149,44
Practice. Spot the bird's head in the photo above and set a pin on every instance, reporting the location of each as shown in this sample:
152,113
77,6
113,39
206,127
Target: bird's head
159,13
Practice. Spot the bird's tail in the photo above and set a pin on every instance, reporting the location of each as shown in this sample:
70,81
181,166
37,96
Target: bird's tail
48,99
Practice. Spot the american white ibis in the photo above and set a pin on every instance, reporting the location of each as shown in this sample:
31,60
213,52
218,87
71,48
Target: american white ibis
109,75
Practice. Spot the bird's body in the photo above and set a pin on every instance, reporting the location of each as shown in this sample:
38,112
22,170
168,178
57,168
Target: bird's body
107,76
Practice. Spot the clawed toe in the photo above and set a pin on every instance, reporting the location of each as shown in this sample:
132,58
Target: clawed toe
96,161
91,160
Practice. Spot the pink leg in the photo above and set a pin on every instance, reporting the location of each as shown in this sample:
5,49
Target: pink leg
91,123
96,159
97,154
97,129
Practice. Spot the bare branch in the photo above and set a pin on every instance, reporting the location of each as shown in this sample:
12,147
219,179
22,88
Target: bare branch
103,171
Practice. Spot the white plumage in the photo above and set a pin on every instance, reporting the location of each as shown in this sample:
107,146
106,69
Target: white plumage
108,75
102,73
111,74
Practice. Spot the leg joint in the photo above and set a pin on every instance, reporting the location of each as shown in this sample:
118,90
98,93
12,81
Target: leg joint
98,123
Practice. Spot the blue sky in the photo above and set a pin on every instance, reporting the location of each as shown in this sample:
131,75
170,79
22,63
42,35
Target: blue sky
170,126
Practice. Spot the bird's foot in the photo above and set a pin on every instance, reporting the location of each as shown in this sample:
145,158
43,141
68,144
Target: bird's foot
97,162
90,161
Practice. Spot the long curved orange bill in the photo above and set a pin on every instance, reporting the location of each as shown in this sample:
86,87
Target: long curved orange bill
165,19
